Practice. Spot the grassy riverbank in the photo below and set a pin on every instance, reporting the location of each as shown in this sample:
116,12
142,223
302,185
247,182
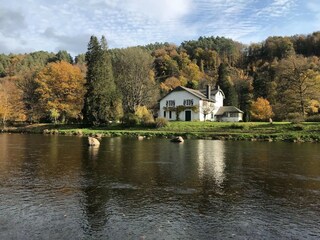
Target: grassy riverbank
279,131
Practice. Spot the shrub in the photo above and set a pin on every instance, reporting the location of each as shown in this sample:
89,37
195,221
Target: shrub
161,122
130,120
297,127
313,118
295,117
144,115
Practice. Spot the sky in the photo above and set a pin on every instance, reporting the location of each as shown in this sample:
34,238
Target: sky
53,25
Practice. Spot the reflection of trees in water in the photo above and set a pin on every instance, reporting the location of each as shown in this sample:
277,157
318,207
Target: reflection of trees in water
95,196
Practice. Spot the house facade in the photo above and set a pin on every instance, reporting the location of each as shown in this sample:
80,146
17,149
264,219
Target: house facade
187,104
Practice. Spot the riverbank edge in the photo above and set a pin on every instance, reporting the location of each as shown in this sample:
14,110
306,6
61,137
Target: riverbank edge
291,136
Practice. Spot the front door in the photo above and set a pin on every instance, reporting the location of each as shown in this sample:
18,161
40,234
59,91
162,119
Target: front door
188,116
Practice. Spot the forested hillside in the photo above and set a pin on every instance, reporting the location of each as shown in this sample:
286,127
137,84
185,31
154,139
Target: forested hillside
280,74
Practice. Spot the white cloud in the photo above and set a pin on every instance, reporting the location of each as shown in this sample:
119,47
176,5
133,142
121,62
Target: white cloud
164,10
50,25
278,8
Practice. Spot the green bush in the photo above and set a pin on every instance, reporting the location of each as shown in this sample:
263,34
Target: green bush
313,118
297,127
130,120
295,117
161,122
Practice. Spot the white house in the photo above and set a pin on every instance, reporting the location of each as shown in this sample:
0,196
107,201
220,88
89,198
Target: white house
187,104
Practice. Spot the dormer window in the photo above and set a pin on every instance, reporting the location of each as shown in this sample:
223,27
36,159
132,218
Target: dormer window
170,103
188,102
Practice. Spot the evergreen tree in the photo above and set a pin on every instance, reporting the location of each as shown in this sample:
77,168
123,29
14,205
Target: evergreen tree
63,55
227,87
100,96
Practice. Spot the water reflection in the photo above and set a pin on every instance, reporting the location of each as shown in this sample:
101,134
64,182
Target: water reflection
211,160
93,152
57,187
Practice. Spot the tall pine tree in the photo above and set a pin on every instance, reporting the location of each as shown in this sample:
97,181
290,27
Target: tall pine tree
100,86
226,86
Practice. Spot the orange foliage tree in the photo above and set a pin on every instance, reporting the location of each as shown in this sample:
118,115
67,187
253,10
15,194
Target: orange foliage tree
11,104
61,90
261,109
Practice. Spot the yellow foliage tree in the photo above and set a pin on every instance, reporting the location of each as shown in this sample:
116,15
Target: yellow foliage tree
261,109
169,84
61,89
144,115
314,107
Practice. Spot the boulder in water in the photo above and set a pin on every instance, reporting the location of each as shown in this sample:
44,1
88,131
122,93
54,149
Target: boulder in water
177,139
93,141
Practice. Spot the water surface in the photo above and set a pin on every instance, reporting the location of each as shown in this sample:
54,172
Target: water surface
56,187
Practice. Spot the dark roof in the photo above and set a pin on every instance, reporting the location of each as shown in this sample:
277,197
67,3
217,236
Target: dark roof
230,109
194,92
214,92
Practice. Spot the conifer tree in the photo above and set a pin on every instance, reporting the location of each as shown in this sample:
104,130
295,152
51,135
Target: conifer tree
225,84
100,86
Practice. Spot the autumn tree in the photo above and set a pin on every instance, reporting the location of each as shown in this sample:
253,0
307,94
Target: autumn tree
134,78
60,89
314,107
298,82
193,74
11,105
100,98
277,47
261,109
165,63
170,84
30,97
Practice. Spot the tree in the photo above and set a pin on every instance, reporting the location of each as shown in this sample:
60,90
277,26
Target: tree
261,109
11,105
135,78
63,55
207,108
193,74
164,64
277,47
224,82
60,89
30,97
169,84
100,98
298,82
243,86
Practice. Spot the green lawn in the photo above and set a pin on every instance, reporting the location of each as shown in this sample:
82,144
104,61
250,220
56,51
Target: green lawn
277,131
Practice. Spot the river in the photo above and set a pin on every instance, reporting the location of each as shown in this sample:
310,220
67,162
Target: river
56,187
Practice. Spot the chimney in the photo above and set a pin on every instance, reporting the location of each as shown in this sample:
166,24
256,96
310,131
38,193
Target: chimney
208,92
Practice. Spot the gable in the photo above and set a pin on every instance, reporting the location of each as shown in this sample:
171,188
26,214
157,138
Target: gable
188,91
180,95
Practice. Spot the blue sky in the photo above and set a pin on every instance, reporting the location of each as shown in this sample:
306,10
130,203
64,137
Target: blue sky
33,25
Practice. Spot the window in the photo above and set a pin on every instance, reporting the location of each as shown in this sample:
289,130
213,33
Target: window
188,102
233,114
170,114
170,103
164,114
